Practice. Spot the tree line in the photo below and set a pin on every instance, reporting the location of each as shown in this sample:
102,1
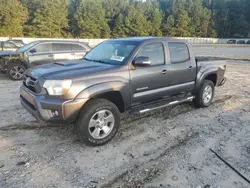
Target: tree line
121,18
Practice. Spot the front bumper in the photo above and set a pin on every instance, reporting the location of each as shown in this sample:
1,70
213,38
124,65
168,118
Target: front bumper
50,110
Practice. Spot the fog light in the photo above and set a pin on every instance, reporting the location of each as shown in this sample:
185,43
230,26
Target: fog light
55,113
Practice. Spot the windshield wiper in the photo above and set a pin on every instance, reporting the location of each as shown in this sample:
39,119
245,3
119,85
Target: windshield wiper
94,60
101,61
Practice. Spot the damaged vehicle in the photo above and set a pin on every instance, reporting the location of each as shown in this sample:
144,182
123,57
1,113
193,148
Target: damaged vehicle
14,63
132,75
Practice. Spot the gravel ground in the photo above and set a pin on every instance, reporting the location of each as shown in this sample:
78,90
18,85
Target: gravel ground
167,148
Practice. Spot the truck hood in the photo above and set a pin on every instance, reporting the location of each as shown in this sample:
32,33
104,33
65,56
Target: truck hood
68,69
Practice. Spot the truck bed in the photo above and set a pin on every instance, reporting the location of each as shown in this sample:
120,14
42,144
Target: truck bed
216,64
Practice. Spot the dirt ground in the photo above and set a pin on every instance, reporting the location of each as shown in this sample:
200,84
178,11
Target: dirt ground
168,148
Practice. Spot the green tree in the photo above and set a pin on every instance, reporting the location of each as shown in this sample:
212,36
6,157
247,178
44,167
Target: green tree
153,15
120,18
200,18
48,19
179,21
138,19
135,22
90,19
13,16
74,6
112,9
119,27
169,28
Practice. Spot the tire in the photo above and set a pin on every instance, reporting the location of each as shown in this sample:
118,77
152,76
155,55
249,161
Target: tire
200,100
15,71
98,122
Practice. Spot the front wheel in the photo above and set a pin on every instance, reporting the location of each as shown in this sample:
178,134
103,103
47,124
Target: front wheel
205,95
98,122
15,71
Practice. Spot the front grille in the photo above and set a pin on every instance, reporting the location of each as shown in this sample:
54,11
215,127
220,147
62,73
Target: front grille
31,83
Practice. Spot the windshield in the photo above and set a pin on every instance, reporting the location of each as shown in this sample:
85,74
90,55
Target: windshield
112,52
27,46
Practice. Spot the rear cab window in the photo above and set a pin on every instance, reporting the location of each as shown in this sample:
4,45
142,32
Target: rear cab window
179,52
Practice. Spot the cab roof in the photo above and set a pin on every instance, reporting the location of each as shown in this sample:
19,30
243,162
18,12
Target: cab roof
144,39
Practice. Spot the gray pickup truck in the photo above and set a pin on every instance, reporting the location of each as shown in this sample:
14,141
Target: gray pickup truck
132,75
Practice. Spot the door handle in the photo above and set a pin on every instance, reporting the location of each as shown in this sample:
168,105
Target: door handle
190,67
164,72
51,55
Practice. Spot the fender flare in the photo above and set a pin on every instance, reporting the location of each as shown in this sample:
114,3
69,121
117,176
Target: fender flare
104,87
202,75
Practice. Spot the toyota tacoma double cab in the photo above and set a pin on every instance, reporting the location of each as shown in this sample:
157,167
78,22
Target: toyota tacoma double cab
132,75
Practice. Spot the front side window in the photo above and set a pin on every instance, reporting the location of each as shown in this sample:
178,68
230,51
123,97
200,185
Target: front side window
112,52
44,48
154,51
178,52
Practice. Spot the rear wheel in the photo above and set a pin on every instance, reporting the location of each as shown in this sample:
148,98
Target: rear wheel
15,71
98,122
205,95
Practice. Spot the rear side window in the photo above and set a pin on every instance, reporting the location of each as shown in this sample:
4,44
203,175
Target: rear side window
78,47
154,51
178,52
44,48
61,47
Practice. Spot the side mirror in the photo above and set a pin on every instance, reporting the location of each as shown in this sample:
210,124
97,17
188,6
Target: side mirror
142,61
33,50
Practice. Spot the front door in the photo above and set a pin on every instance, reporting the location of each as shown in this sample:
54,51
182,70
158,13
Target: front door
41,54
149,83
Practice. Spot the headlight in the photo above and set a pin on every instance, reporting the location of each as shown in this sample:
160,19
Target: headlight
57,87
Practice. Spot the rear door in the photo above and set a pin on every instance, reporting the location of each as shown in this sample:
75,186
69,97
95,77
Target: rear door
62,51
149,83
78,50
41,54
182,71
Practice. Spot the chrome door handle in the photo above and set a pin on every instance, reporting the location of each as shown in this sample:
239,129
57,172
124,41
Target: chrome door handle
190,67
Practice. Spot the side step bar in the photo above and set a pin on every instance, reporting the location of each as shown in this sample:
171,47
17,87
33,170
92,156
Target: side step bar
165,105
